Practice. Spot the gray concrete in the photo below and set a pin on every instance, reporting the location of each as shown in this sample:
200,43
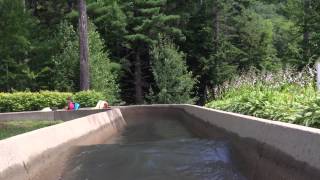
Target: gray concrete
266,149
295,140
51,115
300,142
28,155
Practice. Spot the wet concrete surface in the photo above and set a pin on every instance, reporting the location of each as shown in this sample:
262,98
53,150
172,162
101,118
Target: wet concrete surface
153,150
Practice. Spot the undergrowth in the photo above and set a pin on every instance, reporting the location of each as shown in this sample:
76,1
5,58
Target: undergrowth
287,96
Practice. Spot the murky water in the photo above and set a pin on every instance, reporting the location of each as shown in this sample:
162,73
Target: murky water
153,150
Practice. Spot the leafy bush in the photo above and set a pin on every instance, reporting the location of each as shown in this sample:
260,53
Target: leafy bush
28,101
32,101
287,96
88,98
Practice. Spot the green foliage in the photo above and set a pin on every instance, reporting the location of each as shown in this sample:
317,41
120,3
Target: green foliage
292,99
145,20
15,39
29,101
174,83
256,34
305,16
219,39
66,62
12,128
111,23
32,101
102,71
88,98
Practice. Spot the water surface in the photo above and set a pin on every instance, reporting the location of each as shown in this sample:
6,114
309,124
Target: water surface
153,150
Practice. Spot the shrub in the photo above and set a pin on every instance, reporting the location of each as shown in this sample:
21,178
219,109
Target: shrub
28,101
283,96
88,98
32,101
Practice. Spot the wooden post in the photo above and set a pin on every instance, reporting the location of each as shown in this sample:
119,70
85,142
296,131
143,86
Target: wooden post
318,74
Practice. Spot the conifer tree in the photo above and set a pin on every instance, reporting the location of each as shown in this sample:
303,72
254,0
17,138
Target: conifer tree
15,42
173,82
111,23
145,20
103,72
65,76
306,17
66,63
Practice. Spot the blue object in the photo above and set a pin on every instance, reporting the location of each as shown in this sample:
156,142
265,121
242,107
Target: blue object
76,106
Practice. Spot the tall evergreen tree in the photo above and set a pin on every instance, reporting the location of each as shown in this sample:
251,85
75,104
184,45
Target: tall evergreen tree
15,41
173,82
305,15
103,72
211,53
145,20
111,23
221,38
65,76
255,34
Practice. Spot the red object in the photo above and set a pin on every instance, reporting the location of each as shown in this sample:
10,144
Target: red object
70,106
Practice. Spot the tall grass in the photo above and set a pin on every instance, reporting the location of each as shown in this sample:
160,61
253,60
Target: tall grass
287,95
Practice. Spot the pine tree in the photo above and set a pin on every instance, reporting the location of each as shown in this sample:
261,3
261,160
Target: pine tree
65,76
145,20
256,41
173,82
111,23
103,73
15,42
211,52
305,15
223,38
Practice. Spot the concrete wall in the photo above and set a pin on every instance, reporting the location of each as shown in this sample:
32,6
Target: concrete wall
300,142
263,149
51,115
23,156
268,149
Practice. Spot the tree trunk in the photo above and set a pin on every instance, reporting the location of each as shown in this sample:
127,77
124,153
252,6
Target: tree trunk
7,77
84,49
202,91
138,79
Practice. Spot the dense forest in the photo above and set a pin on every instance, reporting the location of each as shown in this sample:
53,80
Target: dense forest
153,51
